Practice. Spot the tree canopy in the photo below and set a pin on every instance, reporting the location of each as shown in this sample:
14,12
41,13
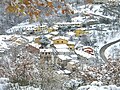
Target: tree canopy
35,8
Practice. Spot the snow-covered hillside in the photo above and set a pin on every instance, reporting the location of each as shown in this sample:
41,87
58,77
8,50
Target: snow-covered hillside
65,56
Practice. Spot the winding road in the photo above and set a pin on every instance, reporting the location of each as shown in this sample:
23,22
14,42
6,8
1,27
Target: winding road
102,50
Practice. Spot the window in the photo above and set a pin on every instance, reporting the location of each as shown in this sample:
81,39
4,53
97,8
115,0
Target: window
57,41
45,53
49,53
62,41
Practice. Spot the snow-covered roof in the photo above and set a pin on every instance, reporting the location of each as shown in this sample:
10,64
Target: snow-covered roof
71,42
70,33
55,27
20,41
63,72
74,55
36,45
60,37
61,46
81,28
64,57
46,50
68,23
48,36
87,47
72,62
62,50
76,61
25,25
77,19
84,54
54,33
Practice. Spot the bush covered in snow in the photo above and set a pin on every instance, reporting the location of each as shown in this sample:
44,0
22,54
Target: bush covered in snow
98,86
4,83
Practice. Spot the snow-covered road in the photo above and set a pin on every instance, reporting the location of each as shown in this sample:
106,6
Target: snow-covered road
102,50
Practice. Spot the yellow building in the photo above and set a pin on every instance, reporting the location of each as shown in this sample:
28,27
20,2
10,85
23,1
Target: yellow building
37,40
79,32
50,29
60,40
40,28
37,29
64,40
71,45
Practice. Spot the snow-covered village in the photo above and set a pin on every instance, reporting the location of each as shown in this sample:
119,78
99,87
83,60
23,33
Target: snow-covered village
59,45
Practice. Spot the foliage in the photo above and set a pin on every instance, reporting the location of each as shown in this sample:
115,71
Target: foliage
107,73
35,8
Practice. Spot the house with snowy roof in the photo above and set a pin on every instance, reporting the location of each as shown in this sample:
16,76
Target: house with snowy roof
37,40
47,55
71,44
17,40
33,47
74,56
54,33
80,31
43,40
84,53
20,41
60,40
63,42
63,51
28,28
53,28
63,60
70,33
62,24
60,46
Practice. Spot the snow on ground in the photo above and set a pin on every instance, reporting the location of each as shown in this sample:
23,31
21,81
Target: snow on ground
98,85
3,45
115,51
101,41
109,87
3,83
90,9
104,37
116,37
30,38
23,26
88,87
26,88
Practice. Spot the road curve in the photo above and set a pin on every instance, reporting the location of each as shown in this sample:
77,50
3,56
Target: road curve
102,50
